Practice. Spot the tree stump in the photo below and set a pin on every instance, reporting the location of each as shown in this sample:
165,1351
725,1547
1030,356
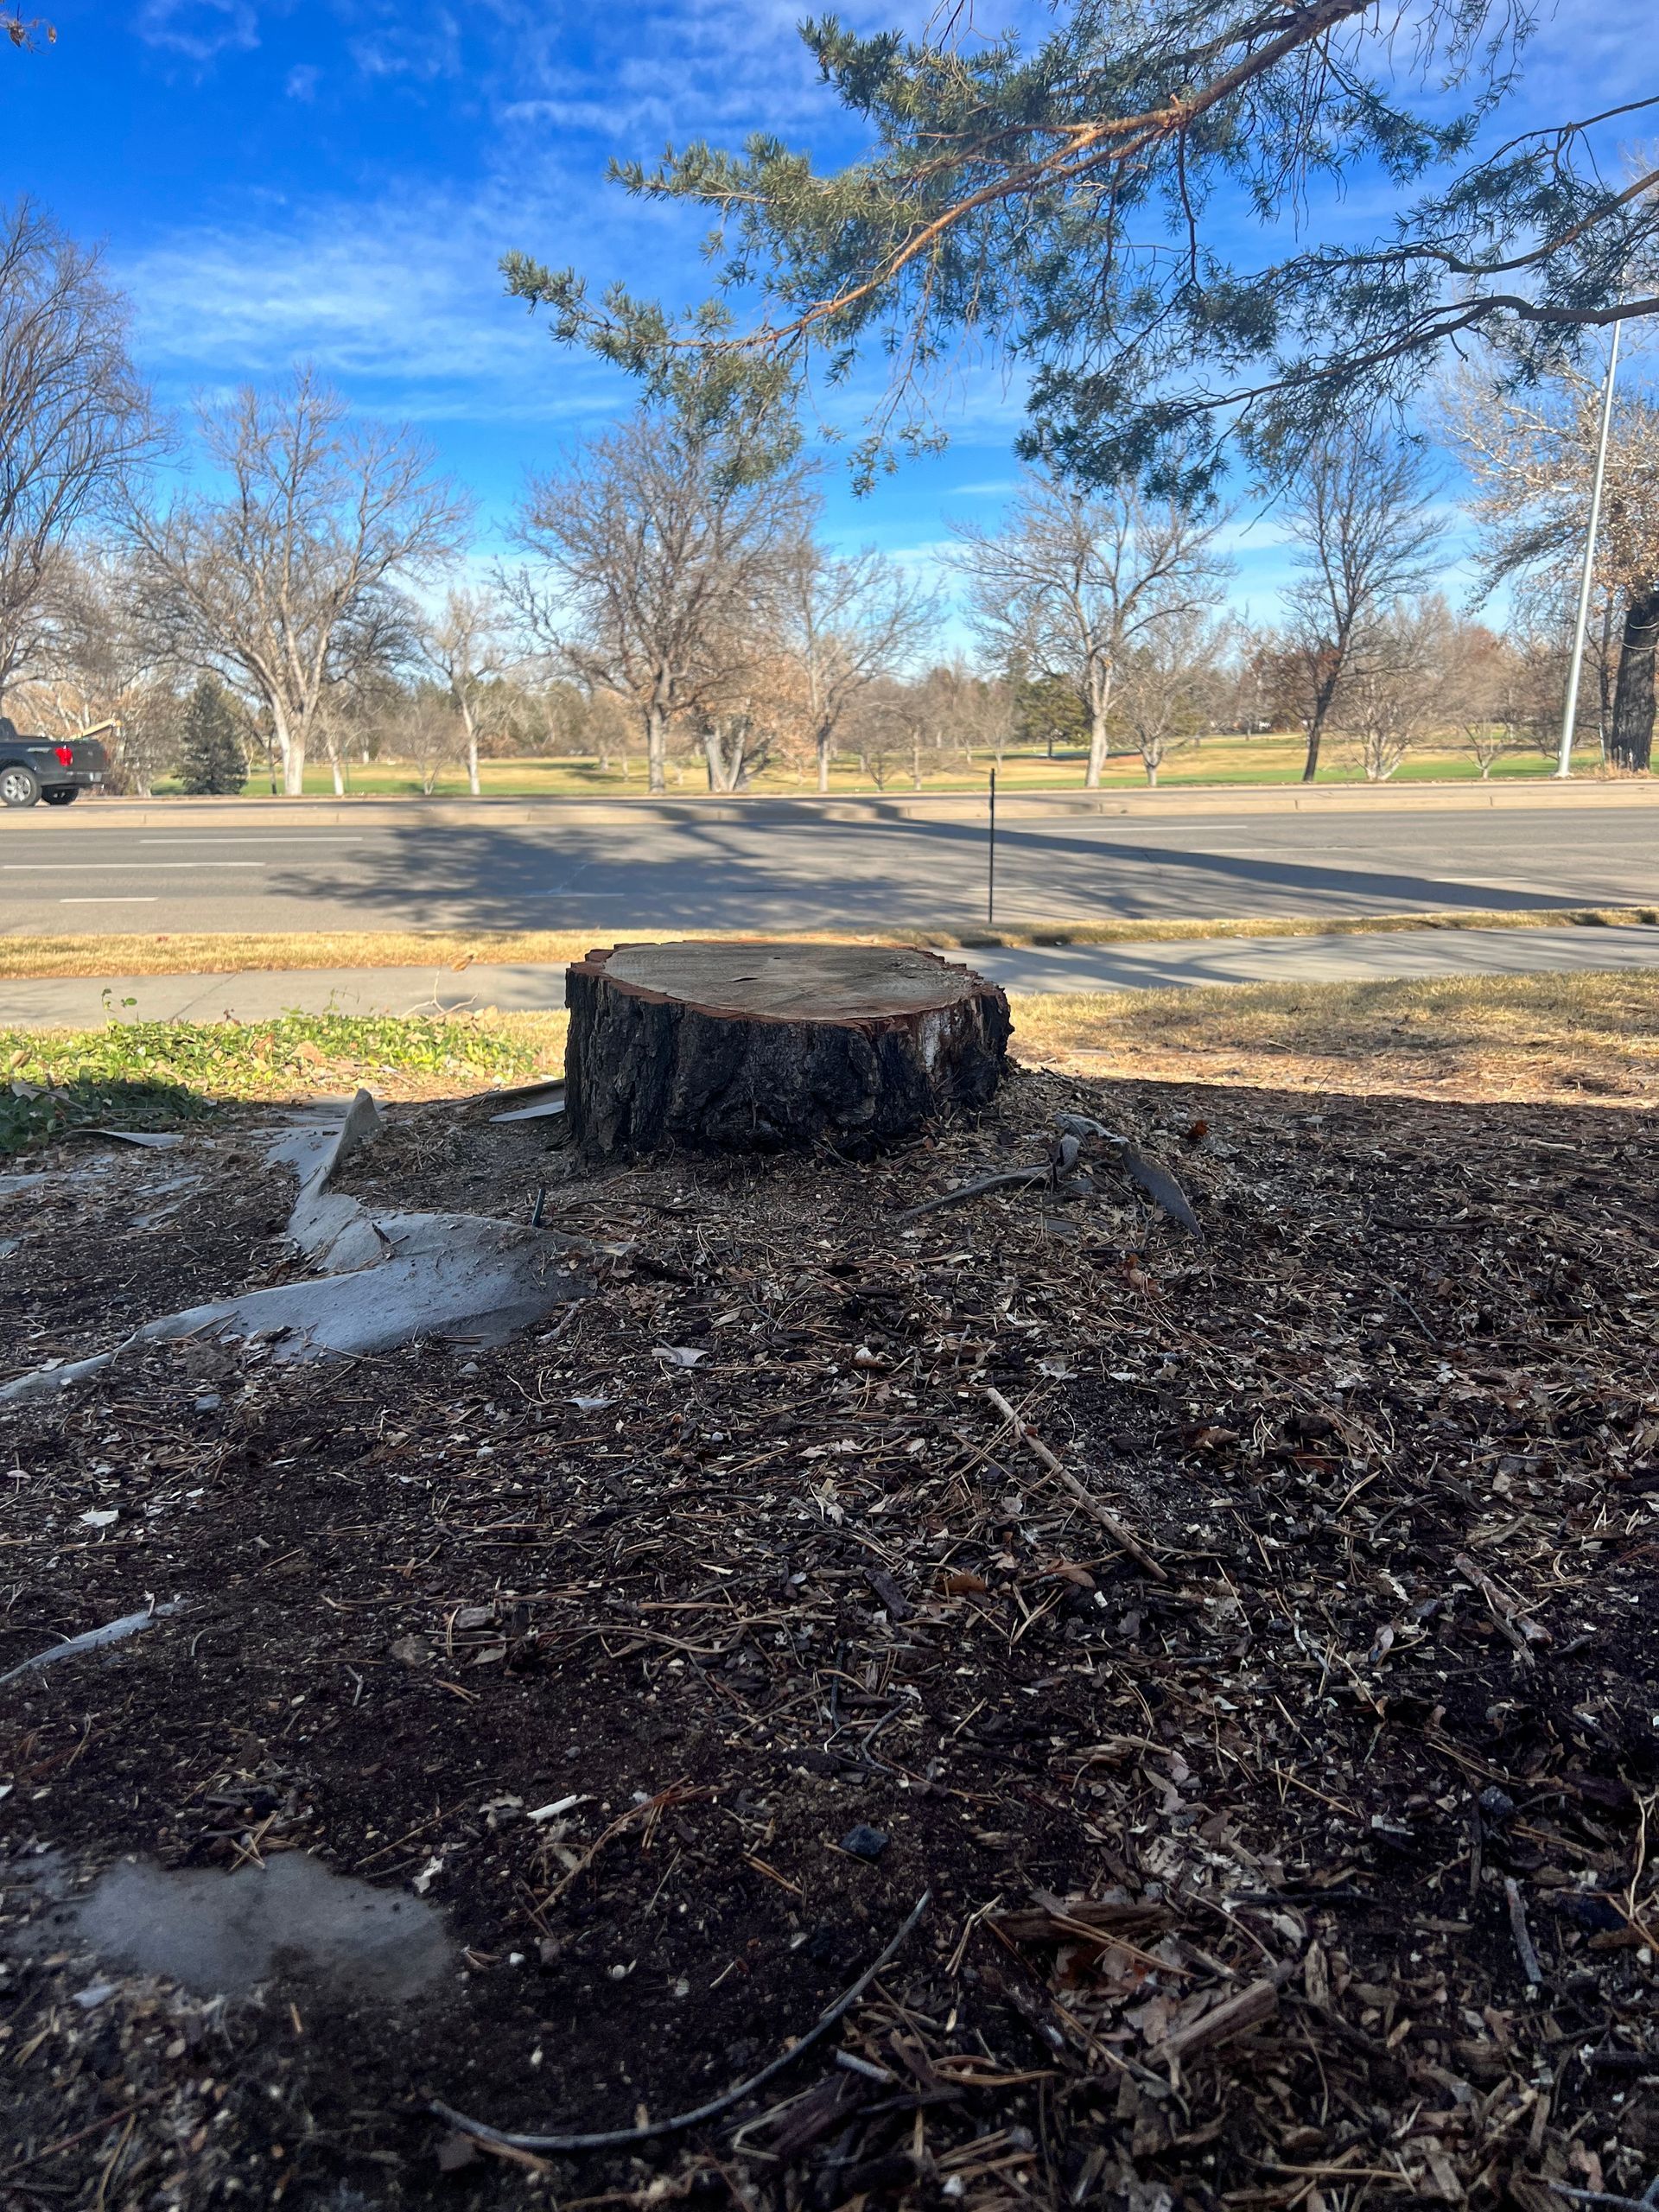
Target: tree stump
757,1048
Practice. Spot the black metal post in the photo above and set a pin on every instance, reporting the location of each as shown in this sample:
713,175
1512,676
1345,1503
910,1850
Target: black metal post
990,860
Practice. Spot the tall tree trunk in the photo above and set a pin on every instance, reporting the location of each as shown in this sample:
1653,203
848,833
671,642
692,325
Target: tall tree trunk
1604,680
1100,700
290,743
1315,732
656,747
824,736
1630,744
1310,763
723,751
472,754
1324,693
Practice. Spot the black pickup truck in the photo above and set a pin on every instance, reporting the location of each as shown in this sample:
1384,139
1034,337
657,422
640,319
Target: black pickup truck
41,767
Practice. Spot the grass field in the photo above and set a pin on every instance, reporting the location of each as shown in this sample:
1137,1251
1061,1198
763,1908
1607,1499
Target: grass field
1520,1036
1216,760
228,953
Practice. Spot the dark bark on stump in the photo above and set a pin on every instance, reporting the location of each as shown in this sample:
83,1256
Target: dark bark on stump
757,1048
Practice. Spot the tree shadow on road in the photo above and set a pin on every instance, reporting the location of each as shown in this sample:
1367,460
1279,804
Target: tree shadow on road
780,866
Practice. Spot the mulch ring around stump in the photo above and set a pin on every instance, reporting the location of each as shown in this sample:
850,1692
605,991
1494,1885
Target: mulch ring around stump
669,1656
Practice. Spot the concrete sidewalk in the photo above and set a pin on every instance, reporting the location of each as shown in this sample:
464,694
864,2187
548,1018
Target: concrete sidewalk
84,1002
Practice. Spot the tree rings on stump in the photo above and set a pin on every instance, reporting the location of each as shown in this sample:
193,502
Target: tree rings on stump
754,1048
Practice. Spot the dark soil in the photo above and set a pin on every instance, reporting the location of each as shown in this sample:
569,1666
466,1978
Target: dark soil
1226,1870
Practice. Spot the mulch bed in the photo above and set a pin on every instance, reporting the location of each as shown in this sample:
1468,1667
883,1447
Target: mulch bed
1307,1865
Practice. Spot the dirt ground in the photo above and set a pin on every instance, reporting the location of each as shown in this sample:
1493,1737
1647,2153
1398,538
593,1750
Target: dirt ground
1286,1842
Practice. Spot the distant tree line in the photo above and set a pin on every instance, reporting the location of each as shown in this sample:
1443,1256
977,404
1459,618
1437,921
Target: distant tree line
670,604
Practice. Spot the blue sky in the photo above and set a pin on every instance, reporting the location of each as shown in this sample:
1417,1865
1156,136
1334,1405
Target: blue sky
334,179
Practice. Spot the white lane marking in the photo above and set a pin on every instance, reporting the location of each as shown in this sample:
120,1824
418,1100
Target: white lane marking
146,901
112,868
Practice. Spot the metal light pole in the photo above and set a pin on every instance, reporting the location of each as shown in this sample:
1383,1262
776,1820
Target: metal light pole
1570,711
990,859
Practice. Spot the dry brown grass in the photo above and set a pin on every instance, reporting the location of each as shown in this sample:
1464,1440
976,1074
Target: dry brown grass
230,953
1496,1037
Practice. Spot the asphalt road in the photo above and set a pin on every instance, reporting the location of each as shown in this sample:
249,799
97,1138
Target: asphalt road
65,872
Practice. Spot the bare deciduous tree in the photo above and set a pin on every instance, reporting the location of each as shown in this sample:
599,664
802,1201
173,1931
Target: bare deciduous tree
1167,688
465,644
1071,584
429,733
849,624
1533,459
664,540
1360,517
1400,684
1503,694
965,712
287,582
93,670
74,420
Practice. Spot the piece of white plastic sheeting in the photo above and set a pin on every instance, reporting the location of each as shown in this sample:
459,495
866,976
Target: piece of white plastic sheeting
387,1279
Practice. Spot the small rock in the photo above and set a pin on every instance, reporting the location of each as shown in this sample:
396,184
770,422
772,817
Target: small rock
413,1650
1496,1803
864,1842
457,2151
209,1401
94,1994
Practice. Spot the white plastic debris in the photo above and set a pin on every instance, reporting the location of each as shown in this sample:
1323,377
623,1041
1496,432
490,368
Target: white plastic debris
92,1638
385,1280
541,1101
559,1807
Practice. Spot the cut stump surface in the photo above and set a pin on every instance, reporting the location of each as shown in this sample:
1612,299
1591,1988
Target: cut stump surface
755,1048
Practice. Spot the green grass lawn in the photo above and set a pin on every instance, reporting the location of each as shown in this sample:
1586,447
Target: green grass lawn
158,1074
1220,761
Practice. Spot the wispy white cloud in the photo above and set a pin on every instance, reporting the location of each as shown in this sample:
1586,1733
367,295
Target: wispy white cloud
402,307
392,44
201,29
670,68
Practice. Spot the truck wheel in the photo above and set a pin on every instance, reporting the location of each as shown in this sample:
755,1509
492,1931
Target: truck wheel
63,797
19,786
